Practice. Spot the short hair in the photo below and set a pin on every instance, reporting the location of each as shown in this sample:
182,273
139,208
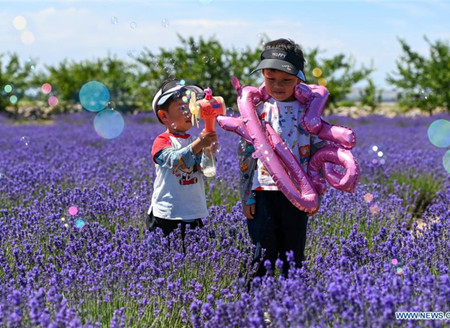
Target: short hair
287,45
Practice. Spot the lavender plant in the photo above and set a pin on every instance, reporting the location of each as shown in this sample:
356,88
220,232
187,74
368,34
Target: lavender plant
369,254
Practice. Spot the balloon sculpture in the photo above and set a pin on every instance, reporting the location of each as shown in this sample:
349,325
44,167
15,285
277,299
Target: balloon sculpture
300,188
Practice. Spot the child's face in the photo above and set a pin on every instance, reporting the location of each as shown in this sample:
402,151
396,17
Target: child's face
280,85
177,118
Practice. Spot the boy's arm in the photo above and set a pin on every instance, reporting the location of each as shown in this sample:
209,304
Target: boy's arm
169,157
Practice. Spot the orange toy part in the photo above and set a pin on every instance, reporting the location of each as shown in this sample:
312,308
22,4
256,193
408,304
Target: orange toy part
209,109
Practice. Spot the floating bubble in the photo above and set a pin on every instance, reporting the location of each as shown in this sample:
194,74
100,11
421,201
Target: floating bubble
79,223
111,105
188,92
213,60
109,124
31,63
7,88
73,210
133,25
394,261
13,99
368,197
165,22
66,225
205,59
374,209
53,101
217,145
114,20
27,37
182,82
185,99
94,96
317,72
25,140
63,219
322,81
424,93
439,133
46,88
399,271
20,23
446,161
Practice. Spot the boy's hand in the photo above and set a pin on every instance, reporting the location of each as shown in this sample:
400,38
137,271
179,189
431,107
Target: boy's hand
205,139
249,211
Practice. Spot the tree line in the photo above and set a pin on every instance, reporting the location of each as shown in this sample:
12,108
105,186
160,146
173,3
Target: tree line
421,82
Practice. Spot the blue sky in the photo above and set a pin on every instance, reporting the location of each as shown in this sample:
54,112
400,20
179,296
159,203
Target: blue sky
365,30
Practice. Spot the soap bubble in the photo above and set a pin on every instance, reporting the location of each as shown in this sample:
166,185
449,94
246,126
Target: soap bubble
25,140
27,37
7,88
368,197
114,20
317,72
46,88
94,96
109,124
133,25
439,133
53,101
73,210
446,161
20,23
79,223
165,22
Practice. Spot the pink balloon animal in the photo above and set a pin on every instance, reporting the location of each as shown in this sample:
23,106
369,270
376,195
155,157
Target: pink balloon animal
300,188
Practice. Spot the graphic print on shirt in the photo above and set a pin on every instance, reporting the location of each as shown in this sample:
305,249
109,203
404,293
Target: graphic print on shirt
185,174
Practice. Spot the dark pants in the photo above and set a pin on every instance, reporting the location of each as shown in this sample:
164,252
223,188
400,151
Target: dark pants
168,226
278,227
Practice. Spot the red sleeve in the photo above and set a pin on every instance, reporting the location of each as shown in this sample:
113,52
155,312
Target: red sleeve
162,141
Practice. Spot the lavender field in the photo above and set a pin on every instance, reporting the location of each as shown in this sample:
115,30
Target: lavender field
370,254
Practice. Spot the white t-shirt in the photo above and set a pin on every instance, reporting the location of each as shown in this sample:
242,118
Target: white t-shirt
285,118
178,192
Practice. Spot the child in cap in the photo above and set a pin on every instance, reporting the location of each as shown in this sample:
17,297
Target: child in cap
274,224
178,189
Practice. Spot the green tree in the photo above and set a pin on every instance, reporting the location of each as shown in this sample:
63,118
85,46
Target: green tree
423,82
370,96
338,74
67,78
14,81
203,62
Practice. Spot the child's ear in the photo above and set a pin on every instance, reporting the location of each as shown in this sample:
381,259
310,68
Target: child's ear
162,114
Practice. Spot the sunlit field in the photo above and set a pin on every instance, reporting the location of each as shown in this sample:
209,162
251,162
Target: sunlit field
75,251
